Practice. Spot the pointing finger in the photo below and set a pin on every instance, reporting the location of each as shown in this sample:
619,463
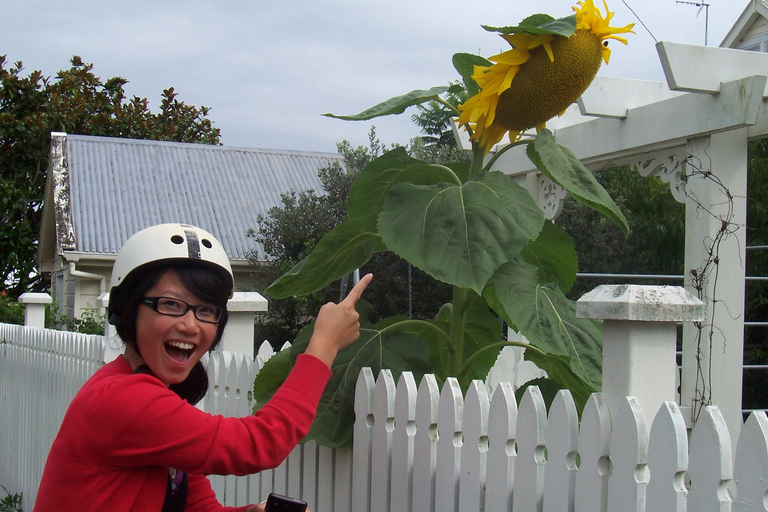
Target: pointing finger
358,290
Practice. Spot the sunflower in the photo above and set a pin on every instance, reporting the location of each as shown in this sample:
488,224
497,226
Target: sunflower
543,73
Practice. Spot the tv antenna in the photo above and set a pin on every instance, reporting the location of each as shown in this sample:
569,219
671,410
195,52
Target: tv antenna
700,5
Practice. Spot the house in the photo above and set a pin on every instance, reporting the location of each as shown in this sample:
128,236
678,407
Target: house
750,32
101,190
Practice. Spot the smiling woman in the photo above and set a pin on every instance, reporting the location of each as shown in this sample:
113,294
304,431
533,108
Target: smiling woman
132,439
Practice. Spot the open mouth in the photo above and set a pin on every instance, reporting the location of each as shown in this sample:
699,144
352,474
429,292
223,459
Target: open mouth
179,351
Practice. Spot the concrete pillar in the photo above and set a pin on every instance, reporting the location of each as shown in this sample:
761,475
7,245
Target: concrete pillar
639,340
34,308
238,335
713,361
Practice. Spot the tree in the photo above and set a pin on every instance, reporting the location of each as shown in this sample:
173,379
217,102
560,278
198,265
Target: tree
74,101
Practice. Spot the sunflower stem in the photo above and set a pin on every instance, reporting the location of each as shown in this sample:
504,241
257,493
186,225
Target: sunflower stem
450,107
476,166
504,150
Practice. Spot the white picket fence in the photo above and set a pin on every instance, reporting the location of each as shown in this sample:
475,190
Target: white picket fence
419,448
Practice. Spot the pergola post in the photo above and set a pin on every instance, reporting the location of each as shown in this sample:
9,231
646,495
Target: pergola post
715,241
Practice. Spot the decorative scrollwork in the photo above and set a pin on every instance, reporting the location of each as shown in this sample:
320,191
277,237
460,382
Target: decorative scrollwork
669,165
551,197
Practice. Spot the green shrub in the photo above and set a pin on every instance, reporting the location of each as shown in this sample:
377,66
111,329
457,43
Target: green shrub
10,502
11,311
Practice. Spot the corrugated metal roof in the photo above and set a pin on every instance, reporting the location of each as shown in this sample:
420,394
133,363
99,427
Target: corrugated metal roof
120,186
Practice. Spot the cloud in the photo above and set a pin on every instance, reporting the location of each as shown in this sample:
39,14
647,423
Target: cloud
269,70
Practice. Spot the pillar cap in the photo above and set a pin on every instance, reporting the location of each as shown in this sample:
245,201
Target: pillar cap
35,298
641,303
247,302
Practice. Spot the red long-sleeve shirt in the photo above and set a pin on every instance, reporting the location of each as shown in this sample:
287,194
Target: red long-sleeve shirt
123,431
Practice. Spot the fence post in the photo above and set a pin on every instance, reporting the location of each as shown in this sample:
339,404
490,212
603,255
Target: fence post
34,308
640,340
238,336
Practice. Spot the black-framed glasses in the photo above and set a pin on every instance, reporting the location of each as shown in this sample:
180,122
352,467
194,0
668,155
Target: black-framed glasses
170,306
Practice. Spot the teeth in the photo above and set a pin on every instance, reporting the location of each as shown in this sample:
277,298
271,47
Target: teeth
181,345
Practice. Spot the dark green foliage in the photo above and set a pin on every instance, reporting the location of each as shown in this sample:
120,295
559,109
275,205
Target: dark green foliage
656,242
74,101
10,502
755,381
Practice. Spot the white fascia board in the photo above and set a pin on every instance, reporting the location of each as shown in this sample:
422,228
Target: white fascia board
703,69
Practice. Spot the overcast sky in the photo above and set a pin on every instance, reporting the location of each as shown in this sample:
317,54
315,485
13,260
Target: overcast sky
268,70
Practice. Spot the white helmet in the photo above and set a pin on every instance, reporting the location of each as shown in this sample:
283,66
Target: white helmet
167,242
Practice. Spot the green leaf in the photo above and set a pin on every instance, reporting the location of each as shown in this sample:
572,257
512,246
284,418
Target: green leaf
271,376
544,315
465,64
554,254
540,24
343,249
561,166
396,105
369,190
460,234
376,348
559,376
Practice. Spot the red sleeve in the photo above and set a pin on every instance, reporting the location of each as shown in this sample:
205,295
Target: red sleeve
142,423
201,498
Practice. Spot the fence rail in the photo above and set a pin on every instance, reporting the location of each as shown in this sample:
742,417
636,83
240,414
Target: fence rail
422,448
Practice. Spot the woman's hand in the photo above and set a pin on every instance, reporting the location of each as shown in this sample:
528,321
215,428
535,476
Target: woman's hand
337,325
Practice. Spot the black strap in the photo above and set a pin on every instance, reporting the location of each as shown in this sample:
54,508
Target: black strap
176,491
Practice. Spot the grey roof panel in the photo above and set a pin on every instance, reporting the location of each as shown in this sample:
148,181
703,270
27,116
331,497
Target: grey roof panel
120,186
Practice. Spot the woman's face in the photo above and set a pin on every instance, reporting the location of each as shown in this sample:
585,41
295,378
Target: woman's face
171,345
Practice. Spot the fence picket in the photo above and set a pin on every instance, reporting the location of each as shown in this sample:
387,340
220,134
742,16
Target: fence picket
629,456
751,466
474,450
667,461
562,447
402,443
449,441
594,450
381,442
425,445
530,461
361,450
502,450
710,463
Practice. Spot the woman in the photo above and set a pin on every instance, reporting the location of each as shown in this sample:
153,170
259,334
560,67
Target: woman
132,439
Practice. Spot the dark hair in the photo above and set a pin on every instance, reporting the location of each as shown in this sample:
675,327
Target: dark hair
211,286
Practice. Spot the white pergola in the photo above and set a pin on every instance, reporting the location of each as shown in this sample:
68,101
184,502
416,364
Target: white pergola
714,101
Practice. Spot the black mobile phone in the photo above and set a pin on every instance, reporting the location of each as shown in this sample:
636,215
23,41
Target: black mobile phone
279,503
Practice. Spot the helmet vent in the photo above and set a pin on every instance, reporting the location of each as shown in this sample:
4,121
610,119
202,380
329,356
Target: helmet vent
177,239
207,243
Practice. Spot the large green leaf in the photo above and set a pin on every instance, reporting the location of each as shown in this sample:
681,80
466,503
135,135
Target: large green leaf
368,192
481,329
271,376
537,24
376,348
465,64
460,234
555,255
343,249
560,374
544,315
396,105
561,166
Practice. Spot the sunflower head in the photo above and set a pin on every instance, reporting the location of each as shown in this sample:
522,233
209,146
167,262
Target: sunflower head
551,63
